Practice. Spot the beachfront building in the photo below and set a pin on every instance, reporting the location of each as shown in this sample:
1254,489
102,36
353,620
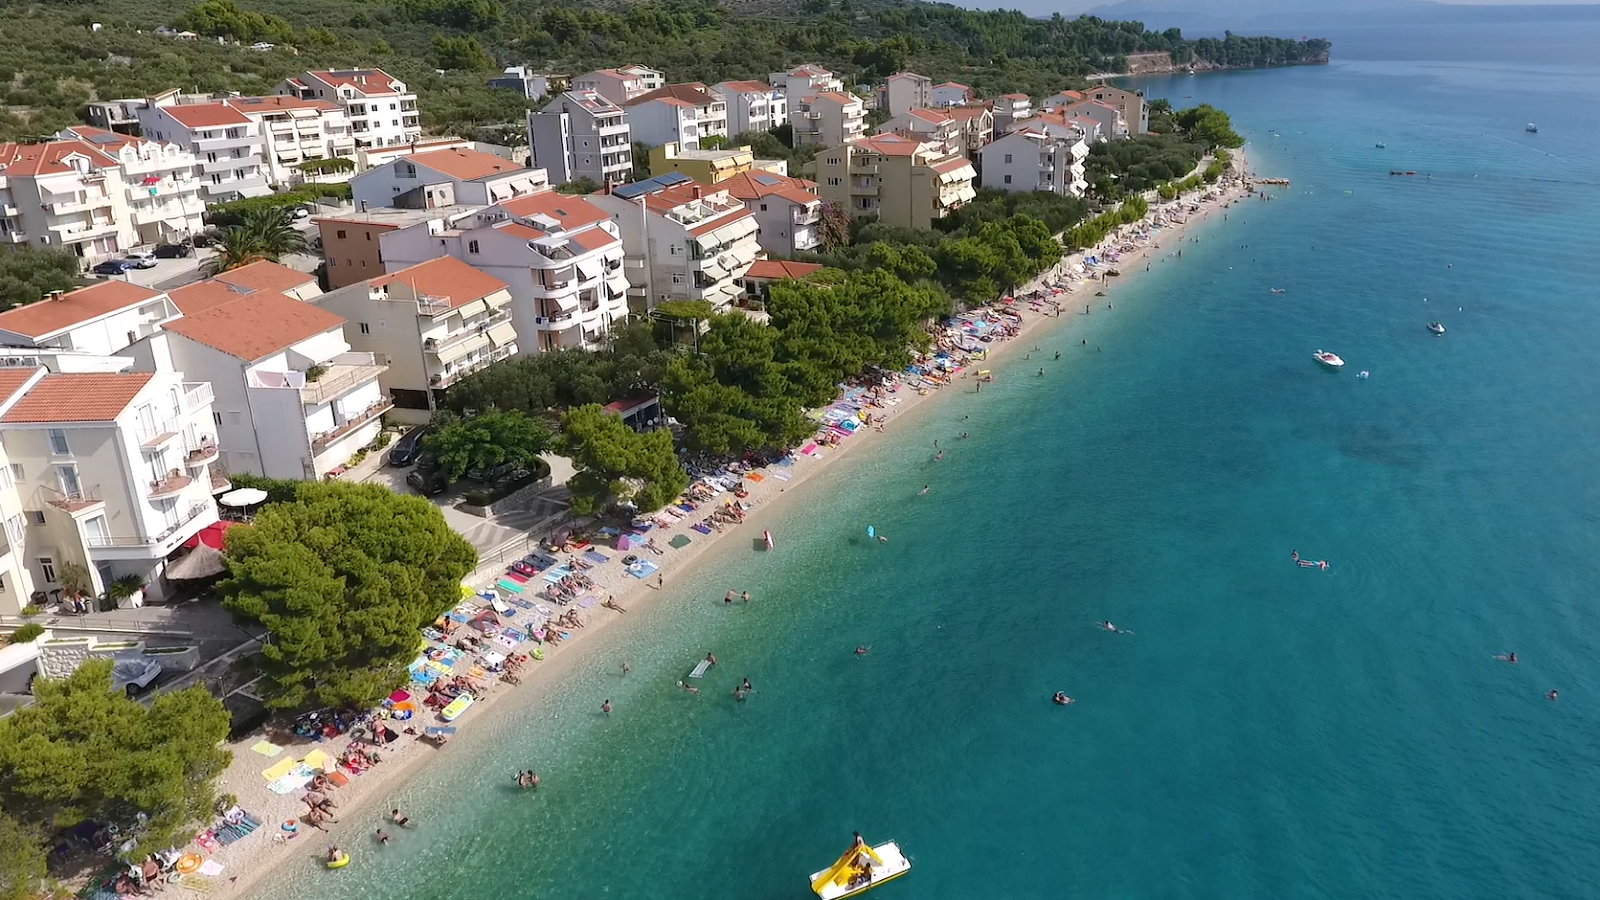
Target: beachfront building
896,179
111,470
805,80
530,84
434,323
788,211
445,178
380,109
904,91
581,134
1033,159
158,183
951,93
292,399
683,240
1111,123
704,166
1129,103
75,195
561,257
621,84
679,114
752,105
756,285
245,145
1060,124
103,319
977,126
1062,98
1010,110
929,126
827,119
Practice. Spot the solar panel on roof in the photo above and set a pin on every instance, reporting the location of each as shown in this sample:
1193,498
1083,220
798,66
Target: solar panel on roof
766,180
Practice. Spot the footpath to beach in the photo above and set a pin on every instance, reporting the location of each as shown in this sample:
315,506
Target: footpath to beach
674,543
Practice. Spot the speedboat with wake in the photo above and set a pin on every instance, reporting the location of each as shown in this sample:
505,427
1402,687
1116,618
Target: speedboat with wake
860,869
1436,327
1329,359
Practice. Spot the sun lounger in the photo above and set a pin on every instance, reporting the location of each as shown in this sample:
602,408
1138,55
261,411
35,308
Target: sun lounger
596,557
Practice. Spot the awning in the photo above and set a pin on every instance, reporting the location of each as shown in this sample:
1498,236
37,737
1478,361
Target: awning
523,185
503,334
210,536
254,190
462,348
713,271
496,194
589,268
468,310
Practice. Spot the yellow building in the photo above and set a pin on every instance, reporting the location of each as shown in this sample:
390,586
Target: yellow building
704,166
899,180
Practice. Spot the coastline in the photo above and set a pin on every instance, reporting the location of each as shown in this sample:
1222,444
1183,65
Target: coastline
404,760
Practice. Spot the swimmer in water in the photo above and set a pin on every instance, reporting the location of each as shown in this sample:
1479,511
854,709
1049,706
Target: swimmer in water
938,456
1108,626
1294,555
923,491
1508,657
1551,695
863,650
1061,699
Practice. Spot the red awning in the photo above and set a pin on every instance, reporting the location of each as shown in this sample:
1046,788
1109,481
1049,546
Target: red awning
211,535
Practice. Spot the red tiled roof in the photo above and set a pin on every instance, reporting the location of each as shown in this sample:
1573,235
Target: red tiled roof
48,158
572,212
370,82
890,145
13,380
445,277
77,397
966,113
720,221
837,97
796,195
755,185
1015,96
206,115
266,276
202,295
746,87
932,116
258,325
594,239
950,165
776,269
278,103
952,84
85,304
463,165
678,94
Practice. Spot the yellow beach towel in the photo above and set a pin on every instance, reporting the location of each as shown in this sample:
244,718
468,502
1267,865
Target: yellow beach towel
316,759
266,748
279,769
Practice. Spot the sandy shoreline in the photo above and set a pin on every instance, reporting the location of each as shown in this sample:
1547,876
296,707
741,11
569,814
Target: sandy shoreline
247,862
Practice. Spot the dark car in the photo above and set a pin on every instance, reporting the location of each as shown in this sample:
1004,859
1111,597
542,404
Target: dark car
405,451
174,251
112,267
427,483
427,462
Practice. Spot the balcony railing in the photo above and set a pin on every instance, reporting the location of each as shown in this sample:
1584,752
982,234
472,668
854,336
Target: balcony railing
171,485
204,451
195,511
343,377
196,394
321,441
462,370
474,329
74,501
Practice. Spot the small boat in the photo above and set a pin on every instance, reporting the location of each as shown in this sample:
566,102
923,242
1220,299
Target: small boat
1280,290
1331,360
859,870
1532,128
1382,145
1436,327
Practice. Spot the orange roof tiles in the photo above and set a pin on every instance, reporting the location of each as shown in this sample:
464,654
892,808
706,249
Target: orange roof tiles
257,325
36,320
747,87
370,82
446,277
464,165
719,222
48,158
889,145
776,269
594,239
203,295
677,94
13,380
952,84
966,113
932,116
77,397
266,276
953,164
1015,96
572,212
755,185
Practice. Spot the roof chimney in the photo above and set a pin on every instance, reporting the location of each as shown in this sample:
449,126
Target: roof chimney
695,192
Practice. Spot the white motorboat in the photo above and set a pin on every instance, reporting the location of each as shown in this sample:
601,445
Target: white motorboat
1436,327
1532,128
859,870
1331,360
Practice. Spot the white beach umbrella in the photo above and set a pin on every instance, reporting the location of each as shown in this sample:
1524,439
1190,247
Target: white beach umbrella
243,497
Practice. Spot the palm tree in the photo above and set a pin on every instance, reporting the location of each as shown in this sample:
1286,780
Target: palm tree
262,234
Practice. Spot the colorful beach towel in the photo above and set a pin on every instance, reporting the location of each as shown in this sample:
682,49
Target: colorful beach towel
266,748
278,769
782,476
701,527
596,557
316,760
511,586
643,568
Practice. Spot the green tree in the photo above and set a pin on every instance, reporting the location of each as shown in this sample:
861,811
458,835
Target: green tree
641,160
343,578
22,861
328,165
29,276
461,53
614,461
83,752
484,441
224,18
262,234
1208,126
584,185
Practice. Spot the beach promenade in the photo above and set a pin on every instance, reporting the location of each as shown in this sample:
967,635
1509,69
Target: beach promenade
1057,296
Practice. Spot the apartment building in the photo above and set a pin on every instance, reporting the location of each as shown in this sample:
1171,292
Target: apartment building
561,257
581,134
976,122
435,323
929,126
292,399
530,84
1110,120
64,195
1058,123
1062,98
899,180
1135,112
621,84
381,110
445,178
788,211
951,94
827,119
758,280
904,91
1009,110
805,80
108,470
103,319
352,244
704,166
163,196
683,240
245,145
752,105
679,114
1034,159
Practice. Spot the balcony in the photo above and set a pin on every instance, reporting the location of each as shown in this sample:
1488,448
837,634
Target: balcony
203,452
107,542
154,437
13,237
807,215
230,163
75,502
170,486
78,231
344,374
214,144
321,442
462,370
471,330
65,207
219,481
283,126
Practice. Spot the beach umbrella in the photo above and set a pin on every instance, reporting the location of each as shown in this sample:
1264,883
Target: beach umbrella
243,497
204,561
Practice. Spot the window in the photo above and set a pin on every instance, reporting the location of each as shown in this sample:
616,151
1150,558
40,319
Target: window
67,477
216,417
369,237
5,480
16,472
678,279
1008,179
1008,159
472,246
833,182
833,160
763,207
365,328
36,516
333,263
339,234
47,568
14,530
58,442
95,529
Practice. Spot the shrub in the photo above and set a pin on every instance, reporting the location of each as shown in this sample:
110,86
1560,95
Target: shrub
27,633
30,610
381,441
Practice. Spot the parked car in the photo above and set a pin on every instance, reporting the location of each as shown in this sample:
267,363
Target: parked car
428,483
427,462
134,675
112,267
301,212
405,451
174,251
140,259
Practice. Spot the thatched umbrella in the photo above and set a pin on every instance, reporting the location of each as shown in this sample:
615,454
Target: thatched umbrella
204,561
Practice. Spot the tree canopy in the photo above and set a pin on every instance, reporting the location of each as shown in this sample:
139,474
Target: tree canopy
489,439
22,860
615,461
82,752
342,578
557,379
30,275
1208,126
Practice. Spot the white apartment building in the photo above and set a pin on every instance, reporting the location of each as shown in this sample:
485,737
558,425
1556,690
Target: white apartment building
752,105
76,196
581,134
951,94
1112,125
1058,123
110,470
103,319
683,240
381,110
805,80
788,211
1009,110
679,114
905,91
163,196
292,399
445,178
245,145
929,126
621,84
561,257
1033,159
977,126
435,322
827,119
530,84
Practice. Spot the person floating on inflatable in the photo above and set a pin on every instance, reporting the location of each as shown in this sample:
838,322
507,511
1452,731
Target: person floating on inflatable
1061,699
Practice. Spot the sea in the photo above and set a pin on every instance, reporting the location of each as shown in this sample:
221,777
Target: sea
1263,730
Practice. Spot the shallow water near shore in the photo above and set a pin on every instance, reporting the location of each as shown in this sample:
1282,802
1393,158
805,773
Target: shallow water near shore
1267,731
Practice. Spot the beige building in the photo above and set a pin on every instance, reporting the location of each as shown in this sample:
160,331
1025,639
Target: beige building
905,91
704,166
1129,103
788,211
827,119
930,126
977,126
899,180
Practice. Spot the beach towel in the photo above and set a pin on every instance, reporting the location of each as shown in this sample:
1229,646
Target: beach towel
756,476
278,769
521,603
596,557
210,868
501,640
338,779
518,577
808,449
197,883
316,760
511,586
296,779
556,574
644,568
782,476
608,531
266,748
439,730
587,601
701,527
678,541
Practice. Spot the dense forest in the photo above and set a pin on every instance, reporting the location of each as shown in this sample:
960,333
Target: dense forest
52,61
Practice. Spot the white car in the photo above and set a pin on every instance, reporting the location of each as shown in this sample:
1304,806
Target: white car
133,675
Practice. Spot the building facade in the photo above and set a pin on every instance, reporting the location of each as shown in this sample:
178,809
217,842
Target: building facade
1010,110
581,134
1033,159
805,80
679,114
788,211
621,84
530,84
163,196
951,94
245,145
380,109
976,122
445,178
704,166
899,180
752,105
683,240
827,119
929,126
905,91
1135,112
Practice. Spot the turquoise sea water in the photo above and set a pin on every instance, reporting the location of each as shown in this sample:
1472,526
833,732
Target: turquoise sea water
1268,731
